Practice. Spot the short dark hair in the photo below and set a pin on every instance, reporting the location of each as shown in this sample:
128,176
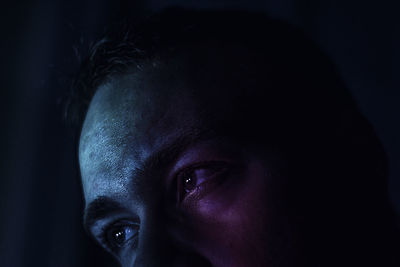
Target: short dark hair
313,96
128,44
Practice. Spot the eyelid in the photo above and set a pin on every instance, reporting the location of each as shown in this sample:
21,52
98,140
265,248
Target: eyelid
102,236
203,152
198,165
190,168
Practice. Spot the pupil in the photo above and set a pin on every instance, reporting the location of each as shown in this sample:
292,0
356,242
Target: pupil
189,183
119,237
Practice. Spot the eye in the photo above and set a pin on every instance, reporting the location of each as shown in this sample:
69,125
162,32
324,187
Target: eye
120,233
193,178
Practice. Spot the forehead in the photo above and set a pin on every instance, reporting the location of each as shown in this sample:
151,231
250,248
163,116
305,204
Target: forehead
133,116
129,119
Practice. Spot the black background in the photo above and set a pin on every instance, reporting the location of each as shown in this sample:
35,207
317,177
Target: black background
40,201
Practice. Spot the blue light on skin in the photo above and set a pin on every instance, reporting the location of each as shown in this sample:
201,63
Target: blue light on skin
231,217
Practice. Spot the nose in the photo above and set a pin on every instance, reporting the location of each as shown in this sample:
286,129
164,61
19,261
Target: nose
160,246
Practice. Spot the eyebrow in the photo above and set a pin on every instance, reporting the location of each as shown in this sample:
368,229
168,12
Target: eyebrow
103,206
162,159
99,209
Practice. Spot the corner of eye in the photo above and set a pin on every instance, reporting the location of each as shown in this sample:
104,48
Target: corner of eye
95,229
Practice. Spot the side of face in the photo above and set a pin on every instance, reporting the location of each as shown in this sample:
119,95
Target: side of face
163,189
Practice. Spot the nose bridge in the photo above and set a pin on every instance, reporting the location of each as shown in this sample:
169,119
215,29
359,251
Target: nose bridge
155,246
162,239
163,243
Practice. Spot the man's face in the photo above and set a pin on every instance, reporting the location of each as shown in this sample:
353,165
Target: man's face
162,188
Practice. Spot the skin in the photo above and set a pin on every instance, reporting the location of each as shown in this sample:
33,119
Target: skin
163,188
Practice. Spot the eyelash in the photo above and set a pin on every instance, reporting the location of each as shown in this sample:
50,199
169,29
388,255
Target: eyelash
180,195
104,237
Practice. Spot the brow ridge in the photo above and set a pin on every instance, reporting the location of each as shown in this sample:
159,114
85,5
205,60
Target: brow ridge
99,209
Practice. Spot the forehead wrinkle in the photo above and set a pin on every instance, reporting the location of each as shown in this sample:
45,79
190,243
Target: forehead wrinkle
105,140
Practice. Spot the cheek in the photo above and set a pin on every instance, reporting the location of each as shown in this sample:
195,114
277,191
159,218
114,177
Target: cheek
232,221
